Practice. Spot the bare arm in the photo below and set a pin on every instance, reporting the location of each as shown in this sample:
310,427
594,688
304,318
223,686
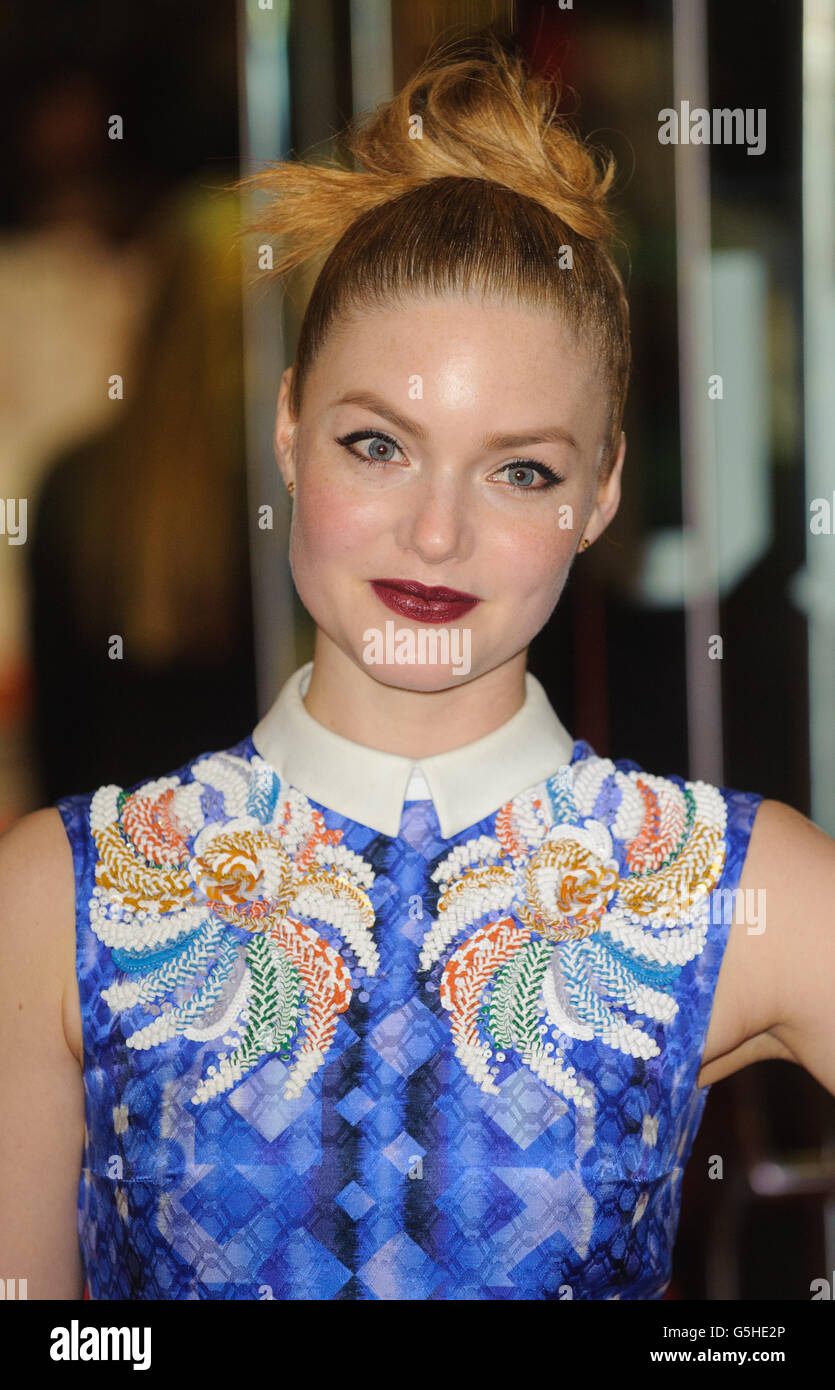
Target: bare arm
775,992
41,1088
800,898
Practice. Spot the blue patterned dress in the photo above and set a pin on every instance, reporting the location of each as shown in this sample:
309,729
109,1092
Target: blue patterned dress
324,1063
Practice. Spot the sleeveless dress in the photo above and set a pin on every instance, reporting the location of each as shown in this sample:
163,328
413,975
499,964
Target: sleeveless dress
411,1056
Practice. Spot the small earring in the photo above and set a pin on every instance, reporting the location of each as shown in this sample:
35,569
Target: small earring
291,487
586,544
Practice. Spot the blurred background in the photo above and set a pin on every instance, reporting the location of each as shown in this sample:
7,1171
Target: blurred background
146,607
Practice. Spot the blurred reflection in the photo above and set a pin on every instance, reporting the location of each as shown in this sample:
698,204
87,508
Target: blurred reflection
140,535
111,262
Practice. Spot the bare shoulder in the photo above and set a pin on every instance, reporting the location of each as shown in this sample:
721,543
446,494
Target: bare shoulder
41,1079
37,916
36,863
772,995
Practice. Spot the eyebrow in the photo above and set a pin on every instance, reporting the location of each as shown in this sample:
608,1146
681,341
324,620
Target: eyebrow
552,434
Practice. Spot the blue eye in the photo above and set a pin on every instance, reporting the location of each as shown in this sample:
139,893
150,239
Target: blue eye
520,467
387,442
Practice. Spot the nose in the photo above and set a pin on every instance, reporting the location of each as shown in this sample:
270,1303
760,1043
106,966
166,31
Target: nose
437,520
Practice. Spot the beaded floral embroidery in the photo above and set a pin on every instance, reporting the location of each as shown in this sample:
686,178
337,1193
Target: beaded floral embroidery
204,894
575,931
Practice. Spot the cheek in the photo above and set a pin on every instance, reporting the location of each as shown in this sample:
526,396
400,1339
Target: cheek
534,561
329,529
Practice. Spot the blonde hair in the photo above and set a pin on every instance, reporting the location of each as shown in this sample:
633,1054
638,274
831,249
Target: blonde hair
479,193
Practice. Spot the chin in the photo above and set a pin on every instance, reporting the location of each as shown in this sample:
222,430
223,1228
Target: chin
417,658
421,679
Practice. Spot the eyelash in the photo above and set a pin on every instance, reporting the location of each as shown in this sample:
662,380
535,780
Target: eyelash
548,474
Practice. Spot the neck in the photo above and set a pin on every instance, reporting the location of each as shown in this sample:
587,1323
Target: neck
413,724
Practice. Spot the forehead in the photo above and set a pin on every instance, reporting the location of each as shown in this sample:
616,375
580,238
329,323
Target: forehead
469,356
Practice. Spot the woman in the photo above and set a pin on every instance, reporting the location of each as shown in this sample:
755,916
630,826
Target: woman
408,994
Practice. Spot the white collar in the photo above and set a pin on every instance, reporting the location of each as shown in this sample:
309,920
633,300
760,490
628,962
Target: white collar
369,786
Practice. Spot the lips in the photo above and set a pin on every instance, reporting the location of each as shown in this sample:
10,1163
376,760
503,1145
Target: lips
426,605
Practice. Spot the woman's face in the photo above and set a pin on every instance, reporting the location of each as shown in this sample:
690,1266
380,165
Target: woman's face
452,444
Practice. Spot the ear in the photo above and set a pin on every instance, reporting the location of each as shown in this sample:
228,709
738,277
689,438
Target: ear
608,496
285,430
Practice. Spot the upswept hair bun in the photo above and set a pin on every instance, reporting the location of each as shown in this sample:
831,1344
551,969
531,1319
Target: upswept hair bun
467,179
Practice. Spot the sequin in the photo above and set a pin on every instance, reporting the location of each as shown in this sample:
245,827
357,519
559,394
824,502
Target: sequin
323,1063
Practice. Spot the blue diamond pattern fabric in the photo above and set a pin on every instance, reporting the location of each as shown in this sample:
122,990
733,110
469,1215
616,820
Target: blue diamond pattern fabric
324,1063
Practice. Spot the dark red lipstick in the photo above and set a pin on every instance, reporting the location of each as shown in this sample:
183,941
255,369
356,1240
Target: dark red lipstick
423,604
